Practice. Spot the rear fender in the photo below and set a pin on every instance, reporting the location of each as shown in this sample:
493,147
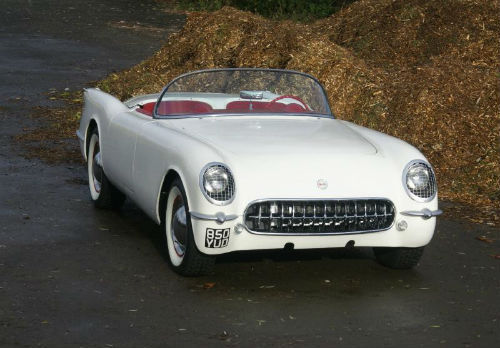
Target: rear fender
99,107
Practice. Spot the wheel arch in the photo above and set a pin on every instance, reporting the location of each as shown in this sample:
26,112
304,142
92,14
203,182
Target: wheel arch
169,177
90,128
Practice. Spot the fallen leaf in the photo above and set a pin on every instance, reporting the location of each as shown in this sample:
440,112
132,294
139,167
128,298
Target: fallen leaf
484,239
496,256
208,285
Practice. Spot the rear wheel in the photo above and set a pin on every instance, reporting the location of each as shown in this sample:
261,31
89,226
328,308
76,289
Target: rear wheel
399,258
102,191
184,256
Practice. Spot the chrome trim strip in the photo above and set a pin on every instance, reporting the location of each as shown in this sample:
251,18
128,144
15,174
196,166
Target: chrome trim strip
219,217
325,98
318,199
79,135
312,234
263,114
424,213
202,188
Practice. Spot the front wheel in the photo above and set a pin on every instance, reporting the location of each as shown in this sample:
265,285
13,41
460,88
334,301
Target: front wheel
184,256
399,258
102,191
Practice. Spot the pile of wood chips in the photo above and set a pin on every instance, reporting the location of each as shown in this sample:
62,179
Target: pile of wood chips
423,71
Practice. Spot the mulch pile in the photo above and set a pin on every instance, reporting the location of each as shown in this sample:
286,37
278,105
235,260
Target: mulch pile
423,71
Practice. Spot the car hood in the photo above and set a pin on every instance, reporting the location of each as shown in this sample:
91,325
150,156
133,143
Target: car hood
277,136
284,157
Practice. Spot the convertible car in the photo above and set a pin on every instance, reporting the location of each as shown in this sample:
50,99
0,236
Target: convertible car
251,159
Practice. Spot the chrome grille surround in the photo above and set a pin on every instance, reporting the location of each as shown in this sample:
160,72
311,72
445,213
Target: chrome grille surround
225,197
319,217
429,192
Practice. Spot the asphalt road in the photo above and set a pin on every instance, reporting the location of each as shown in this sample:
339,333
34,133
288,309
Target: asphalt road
73,276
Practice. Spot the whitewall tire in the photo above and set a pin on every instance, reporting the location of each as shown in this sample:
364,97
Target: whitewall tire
102,191
184,256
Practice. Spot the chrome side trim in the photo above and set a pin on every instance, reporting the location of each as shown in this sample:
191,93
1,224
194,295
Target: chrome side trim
219,217
317,199
80,135
424,213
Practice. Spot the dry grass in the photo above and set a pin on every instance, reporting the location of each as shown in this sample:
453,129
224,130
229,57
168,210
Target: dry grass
52,138
424,71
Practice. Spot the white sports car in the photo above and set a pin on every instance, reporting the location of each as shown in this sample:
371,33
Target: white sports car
252,159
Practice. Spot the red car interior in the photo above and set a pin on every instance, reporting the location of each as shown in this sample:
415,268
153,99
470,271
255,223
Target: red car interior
176,107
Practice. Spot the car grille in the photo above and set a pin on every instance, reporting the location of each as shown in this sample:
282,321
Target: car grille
340,216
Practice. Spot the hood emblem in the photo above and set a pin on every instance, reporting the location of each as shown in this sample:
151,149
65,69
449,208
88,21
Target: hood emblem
322,184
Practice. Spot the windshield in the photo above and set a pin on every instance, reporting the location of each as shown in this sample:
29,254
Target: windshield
243,91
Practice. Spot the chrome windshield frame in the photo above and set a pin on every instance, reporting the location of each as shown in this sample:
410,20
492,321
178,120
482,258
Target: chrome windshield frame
329,113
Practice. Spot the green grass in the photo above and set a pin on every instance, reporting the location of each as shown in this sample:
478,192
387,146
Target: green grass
298,10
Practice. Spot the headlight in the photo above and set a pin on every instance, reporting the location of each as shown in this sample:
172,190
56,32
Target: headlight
419,181
217,183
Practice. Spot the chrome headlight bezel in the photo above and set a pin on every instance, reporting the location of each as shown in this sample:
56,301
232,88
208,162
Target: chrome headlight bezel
430,191
227,195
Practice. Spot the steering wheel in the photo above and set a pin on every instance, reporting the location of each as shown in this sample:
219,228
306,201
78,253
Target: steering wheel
272,102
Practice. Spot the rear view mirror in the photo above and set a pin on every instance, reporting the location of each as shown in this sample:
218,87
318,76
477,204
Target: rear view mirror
251,95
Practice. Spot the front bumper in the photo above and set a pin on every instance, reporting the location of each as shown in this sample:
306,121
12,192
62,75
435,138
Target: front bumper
220,233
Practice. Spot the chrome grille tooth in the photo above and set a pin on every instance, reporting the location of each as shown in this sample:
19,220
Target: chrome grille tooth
260,215
303,215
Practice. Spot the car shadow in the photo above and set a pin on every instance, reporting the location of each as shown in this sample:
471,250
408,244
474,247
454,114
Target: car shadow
347,271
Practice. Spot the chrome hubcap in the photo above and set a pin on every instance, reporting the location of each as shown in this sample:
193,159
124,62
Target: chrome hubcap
179,226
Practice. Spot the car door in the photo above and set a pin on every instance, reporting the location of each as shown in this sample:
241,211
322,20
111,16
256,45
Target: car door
118,156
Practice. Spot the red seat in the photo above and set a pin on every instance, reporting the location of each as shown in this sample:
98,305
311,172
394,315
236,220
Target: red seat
244,106
174,107
293,107
146,109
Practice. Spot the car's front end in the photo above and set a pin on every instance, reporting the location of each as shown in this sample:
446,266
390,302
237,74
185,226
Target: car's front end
286,194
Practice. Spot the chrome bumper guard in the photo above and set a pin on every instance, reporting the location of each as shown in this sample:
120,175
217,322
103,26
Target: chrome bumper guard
219,217
424,213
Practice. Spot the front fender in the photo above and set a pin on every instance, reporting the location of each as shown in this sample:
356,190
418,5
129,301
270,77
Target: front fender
160,150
